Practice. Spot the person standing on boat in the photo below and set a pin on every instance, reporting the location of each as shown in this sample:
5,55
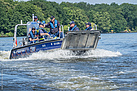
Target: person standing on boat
36,19
43,34
54,26
33,37
73,27
88,26
35,23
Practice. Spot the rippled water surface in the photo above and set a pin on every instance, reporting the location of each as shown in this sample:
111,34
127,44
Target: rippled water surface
112,66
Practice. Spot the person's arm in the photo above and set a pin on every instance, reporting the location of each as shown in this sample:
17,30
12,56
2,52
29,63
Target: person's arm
42,34
47,25
30,39
38,21
36,38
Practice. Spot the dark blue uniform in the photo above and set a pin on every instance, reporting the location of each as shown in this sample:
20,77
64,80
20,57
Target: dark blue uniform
89,28
32,35
75,28
41,30
54,28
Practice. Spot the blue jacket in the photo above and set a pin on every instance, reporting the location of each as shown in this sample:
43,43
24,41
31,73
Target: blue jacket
32,35
41,30
89,28
75,28
52,26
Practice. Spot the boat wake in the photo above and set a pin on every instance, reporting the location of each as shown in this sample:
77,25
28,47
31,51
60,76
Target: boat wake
63,54
4,55
66,54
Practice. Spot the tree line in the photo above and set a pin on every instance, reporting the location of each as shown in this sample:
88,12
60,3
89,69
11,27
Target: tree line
107,17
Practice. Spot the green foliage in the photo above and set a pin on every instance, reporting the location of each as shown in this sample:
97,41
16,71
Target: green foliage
77,15
9,34
107,17
103,21
66,28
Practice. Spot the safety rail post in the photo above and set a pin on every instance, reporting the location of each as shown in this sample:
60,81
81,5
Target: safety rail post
21,22
15,34
62,30
95,26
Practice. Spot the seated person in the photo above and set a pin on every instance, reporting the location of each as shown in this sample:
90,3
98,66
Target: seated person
33,37
54,26
88,26
73,27
43,34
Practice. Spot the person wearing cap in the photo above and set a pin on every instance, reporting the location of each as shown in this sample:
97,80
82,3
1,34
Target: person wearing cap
43,34
54,26
44,23
36,19
88,26
33,36
73,27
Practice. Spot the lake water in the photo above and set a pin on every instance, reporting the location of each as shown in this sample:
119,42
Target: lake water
112,66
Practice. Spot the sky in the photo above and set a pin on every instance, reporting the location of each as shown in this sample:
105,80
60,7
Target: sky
98,1
95,1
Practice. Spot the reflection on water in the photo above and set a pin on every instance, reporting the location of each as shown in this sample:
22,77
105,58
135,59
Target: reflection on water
109,67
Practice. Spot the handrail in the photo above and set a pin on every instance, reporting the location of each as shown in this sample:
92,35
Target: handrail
95,26
62,30
15,33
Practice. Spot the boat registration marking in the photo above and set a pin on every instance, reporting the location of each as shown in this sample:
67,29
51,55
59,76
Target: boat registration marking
43,45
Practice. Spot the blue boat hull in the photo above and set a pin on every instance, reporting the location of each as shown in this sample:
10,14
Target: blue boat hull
32,48
77,41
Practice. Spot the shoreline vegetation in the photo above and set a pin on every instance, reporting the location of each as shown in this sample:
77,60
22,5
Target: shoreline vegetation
111,18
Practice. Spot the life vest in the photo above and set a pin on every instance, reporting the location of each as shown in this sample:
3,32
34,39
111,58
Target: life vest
55,24
72,28
88,28
38,32
32,35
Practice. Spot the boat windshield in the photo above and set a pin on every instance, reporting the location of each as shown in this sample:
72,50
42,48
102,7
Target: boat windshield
30,25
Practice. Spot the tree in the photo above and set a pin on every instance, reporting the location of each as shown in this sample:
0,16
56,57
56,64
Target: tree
77,15
129,12
102,19
107,17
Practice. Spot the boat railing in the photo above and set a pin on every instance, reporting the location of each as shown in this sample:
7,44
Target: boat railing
94,27
61,27
24,41
15,34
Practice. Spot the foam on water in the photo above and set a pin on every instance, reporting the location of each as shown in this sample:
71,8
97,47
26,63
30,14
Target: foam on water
81,83
4,55
66,54
63,54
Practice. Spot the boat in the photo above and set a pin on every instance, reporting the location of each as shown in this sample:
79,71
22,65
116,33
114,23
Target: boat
73,41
